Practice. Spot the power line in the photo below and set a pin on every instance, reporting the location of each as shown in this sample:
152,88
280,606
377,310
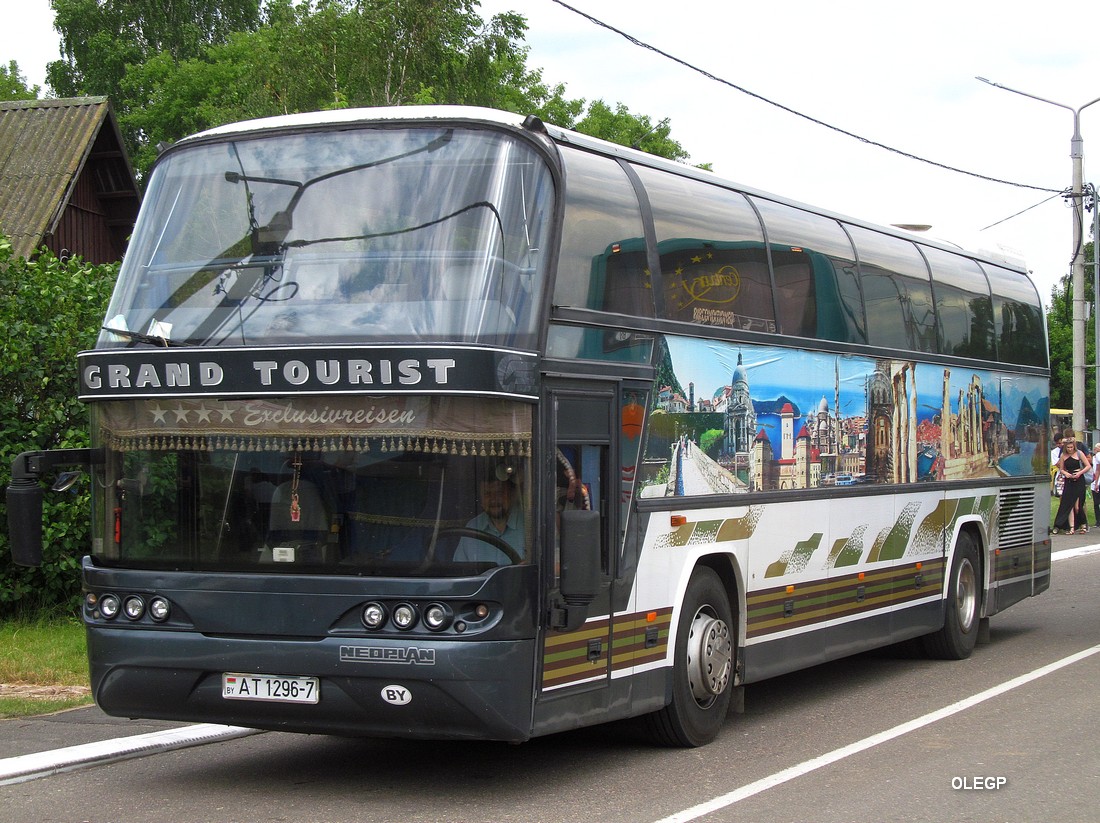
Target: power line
1063,193
795,112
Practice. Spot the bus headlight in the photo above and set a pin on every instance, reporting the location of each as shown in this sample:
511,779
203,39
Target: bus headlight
134,607
109,606
437,617
159,609
374,616
404,616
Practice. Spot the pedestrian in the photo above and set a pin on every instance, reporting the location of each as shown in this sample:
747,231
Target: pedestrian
1094,485
1055,475
1072,465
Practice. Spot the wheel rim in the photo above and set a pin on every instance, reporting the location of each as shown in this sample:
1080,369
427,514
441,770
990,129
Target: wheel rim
966,595
709,656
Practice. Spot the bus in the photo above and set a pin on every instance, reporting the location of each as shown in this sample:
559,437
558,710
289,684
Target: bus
446,423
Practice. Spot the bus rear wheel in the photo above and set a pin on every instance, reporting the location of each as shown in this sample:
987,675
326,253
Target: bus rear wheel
702,675
959,635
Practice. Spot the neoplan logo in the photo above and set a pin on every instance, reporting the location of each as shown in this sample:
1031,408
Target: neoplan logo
410,655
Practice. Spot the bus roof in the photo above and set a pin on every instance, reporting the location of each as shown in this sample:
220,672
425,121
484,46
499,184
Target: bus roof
341,117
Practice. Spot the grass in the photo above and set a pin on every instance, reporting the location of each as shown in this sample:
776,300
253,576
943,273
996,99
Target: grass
48,653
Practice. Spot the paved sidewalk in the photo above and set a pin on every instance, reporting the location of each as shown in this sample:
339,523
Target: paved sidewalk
1061,542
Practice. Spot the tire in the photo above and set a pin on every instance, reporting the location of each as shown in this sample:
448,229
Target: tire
702,673
959,635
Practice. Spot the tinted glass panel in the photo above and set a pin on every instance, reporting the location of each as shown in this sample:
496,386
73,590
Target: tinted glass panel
1018,318
962,304
602,262
358,234
896,292
354,485
820,297
714,268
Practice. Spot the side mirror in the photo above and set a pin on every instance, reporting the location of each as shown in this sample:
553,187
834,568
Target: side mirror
24,496
24,499
580,564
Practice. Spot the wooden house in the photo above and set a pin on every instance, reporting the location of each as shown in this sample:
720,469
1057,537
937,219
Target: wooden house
66,181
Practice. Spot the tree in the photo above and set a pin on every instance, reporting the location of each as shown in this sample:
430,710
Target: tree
50,309
626,129
13,85
100,39
1060,337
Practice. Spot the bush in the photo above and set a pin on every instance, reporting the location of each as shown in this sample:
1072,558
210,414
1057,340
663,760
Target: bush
49,309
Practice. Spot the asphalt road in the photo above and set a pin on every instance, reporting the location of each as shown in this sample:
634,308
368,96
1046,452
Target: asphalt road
1007,735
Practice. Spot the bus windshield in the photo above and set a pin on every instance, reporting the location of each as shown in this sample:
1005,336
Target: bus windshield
384,486
428,234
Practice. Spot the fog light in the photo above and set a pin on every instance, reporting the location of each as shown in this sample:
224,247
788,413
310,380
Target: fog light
134,607
159,609
437,617
481,611
109,606
374,616
90,600
404,616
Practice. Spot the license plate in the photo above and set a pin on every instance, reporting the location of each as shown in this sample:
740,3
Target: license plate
274,687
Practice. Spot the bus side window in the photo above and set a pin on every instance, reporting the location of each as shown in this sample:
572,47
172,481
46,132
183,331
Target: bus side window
602,221
714,267
796,284
963,305
578,484
897,292
834,280
1017,317
570,490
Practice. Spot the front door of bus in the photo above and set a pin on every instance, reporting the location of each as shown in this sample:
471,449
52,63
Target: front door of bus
578,454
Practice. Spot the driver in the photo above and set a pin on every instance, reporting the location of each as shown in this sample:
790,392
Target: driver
498,517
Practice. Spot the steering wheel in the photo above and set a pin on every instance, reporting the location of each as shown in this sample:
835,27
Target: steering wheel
485,537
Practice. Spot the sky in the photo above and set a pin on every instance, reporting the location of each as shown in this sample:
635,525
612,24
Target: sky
899,74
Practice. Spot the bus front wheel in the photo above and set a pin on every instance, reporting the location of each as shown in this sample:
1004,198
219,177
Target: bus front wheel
957,638
702,675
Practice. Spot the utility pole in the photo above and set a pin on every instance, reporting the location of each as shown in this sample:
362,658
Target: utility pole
1095,309
1077,266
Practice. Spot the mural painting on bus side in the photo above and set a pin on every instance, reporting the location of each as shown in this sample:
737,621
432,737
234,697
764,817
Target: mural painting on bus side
728,418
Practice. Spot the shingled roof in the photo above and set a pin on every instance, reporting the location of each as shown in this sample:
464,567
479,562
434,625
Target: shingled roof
65,179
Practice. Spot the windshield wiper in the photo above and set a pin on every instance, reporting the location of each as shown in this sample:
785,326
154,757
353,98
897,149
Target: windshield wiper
138,337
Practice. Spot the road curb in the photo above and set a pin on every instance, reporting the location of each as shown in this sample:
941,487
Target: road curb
43,764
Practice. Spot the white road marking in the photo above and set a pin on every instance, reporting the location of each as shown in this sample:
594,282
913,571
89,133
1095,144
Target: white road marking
1066,554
